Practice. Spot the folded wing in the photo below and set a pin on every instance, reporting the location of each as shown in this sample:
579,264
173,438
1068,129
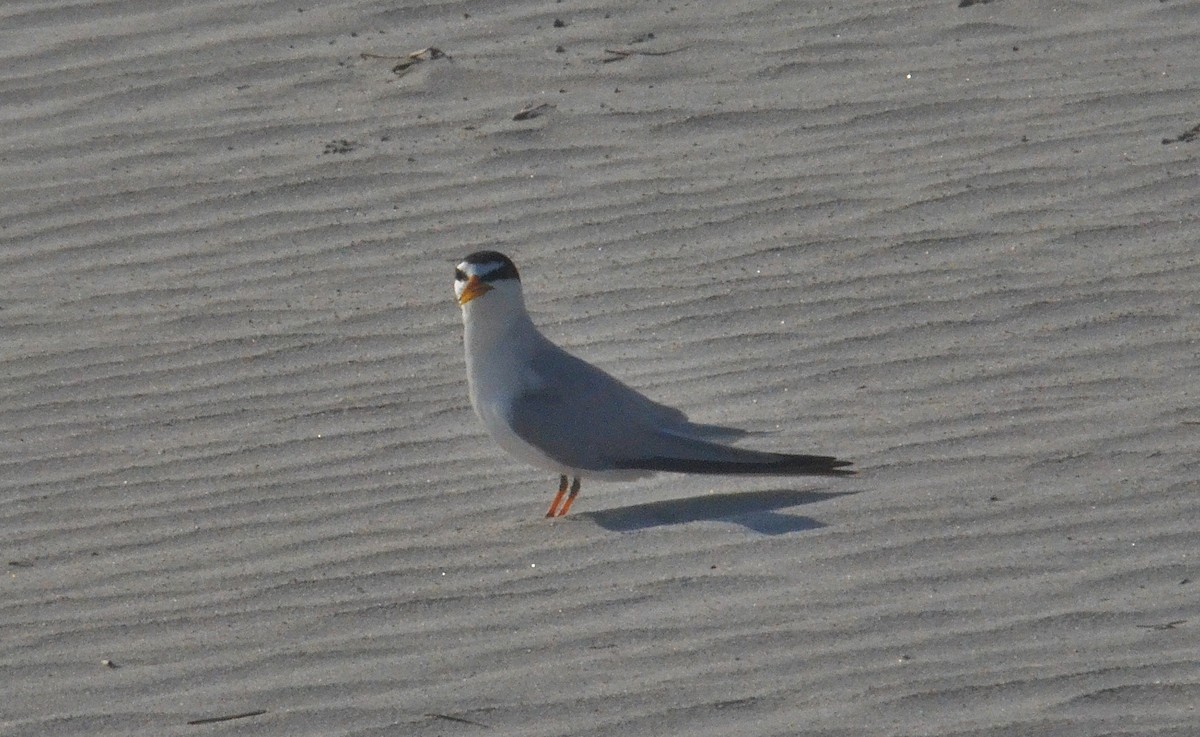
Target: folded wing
584,418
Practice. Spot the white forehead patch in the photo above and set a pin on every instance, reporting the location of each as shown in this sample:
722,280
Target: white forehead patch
479,270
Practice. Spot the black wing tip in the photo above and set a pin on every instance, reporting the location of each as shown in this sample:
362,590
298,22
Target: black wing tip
774,465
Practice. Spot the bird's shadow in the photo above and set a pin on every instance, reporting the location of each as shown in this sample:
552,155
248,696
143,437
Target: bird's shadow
755,510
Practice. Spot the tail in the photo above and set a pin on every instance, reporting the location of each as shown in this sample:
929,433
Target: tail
739,461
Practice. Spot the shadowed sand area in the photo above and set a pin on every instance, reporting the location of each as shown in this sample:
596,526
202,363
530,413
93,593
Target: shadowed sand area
240,480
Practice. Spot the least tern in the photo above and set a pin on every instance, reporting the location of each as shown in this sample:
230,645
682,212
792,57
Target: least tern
560,413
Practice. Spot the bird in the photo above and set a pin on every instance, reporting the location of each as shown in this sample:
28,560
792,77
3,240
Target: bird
557,412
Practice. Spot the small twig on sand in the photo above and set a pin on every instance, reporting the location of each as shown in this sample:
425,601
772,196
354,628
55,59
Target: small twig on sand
460,720
229,717
533,111
429,53
1164,626
1188,135
620,54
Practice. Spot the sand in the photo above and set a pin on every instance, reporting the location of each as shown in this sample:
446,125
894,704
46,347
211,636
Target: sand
239,476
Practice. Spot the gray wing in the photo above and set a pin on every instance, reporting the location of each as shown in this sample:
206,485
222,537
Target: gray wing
584,418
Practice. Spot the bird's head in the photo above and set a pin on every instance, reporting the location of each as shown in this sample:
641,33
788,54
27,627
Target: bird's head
483,272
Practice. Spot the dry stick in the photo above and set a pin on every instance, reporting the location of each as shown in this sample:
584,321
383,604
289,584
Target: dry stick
433,51
1185,137
408,61
626,53
533,112
228,718
460,720
1164,625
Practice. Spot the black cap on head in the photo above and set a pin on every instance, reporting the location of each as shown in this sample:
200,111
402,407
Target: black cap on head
505,268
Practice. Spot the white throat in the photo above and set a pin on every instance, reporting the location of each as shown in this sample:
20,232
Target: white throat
497,336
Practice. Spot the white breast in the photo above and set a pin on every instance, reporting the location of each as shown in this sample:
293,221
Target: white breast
498,372
500,341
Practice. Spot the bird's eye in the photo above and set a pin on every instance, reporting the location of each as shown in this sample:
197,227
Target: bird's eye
459,275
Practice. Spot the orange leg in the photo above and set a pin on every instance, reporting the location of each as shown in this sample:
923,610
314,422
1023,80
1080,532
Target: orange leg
571,498
562,489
